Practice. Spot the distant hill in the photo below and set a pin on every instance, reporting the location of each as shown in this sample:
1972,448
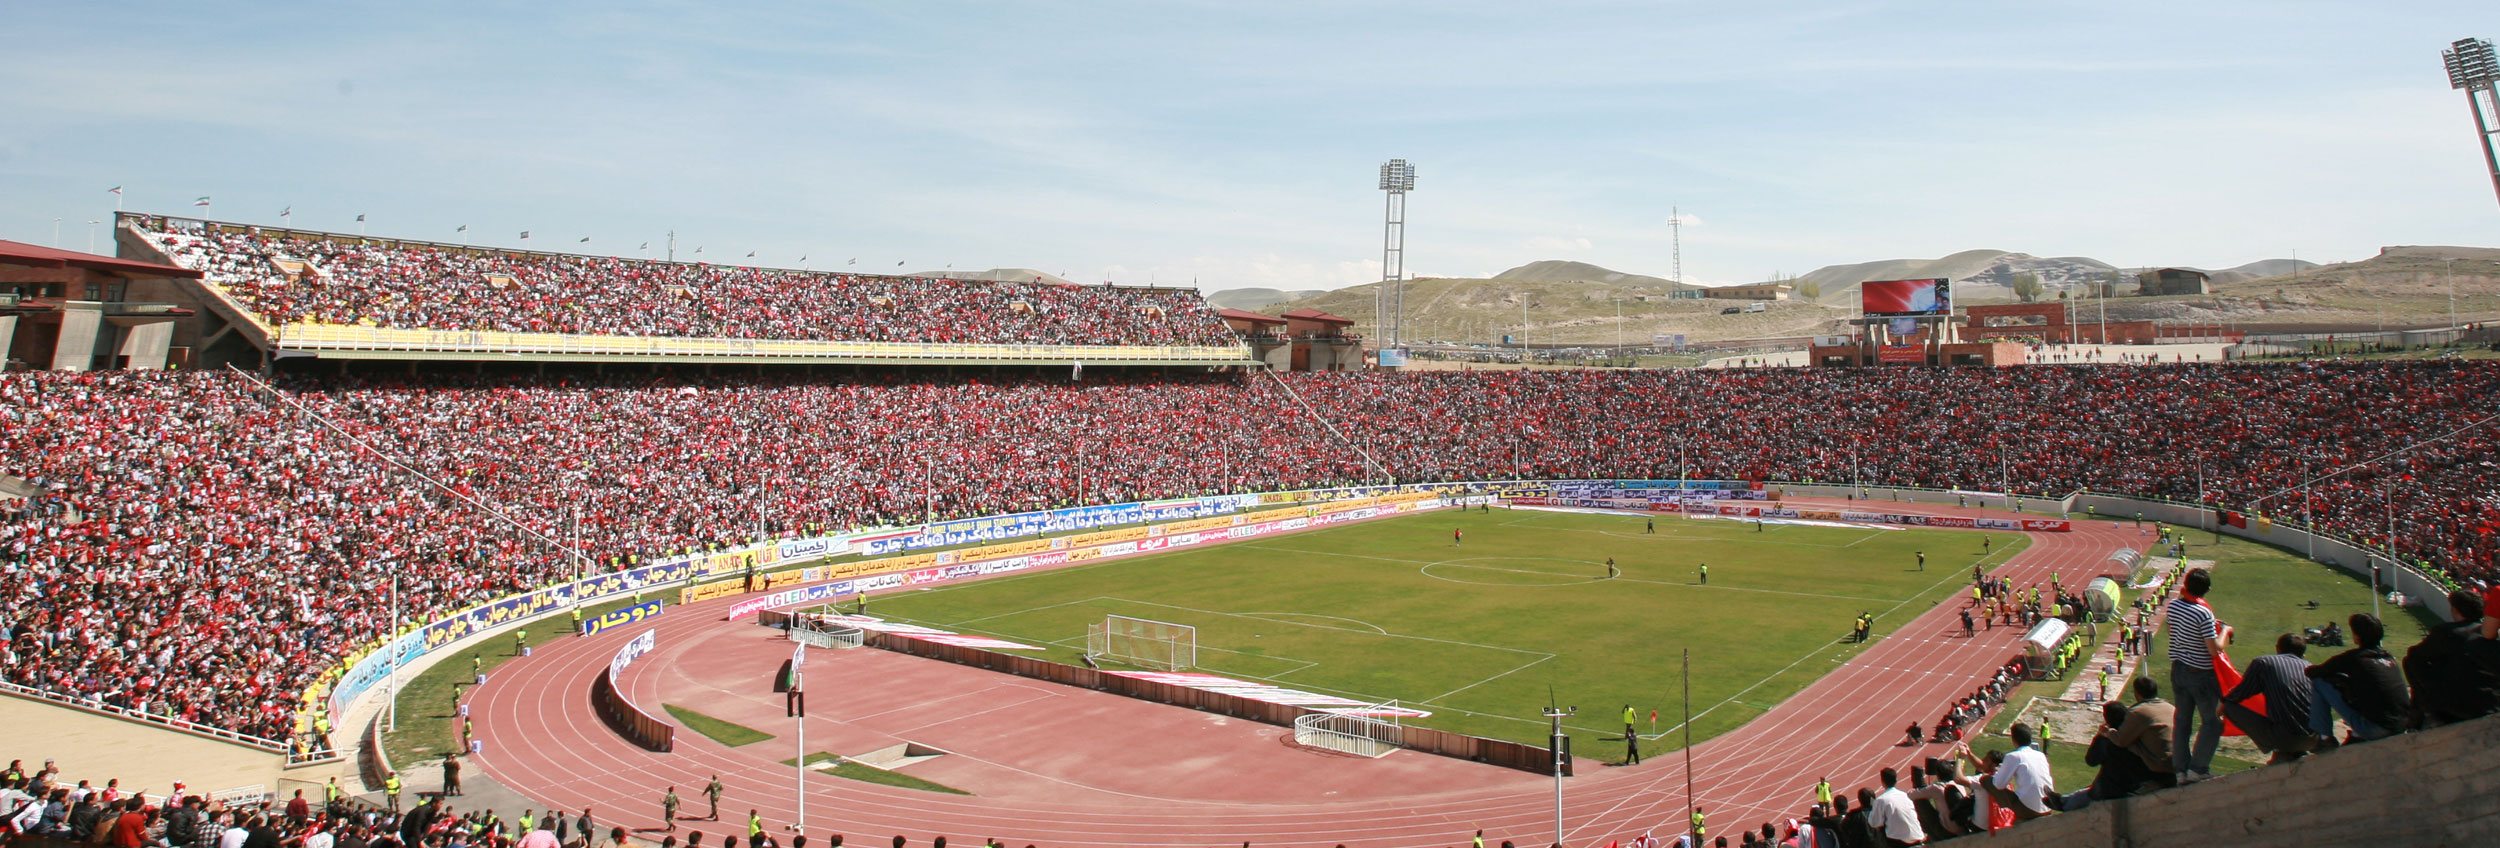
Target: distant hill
1987,276
1973,272
2259,269
2406,286
1567,271
1564,302
1256,300
1561,302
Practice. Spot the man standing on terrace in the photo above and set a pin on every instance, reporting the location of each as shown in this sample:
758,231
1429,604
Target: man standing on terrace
2196,639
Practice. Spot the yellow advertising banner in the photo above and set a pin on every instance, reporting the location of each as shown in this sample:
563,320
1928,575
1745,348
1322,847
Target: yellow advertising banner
709,591
1105,537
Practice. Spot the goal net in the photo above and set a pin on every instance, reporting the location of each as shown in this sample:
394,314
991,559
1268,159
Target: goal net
1143,642
1371,731
814,631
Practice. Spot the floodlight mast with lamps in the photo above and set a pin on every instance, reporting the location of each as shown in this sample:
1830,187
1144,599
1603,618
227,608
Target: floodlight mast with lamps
2473,69
1397,177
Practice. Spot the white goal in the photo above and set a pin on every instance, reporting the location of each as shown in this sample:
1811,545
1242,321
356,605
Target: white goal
1371,731
1142,642
814,631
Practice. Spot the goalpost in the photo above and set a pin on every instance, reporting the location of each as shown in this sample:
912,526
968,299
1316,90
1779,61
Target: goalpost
1371,731
813,631
1142,642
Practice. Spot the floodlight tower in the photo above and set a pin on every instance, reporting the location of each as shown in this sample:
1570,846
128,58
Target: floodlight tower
2473,70
1397,177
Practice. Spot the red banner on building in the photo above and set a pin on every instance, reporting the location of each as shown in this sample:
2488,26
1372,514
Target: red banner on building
1901,355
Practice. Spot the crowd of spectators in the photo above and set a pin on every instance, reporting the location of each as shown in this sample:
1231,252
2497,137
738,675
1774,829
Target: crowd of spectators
350,280
42,805
193,550
200,549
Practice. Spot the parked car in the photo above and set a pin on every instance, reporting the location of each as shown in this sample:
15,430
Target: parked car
1732,310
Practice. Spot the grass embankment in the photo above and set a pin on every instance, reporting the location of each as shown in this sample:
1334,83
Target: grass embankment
848,770
727,733
429,722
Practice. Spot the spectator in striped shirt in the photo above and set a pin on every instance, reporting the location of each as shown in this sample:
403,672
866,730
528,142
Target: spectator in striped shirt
2283,678
2196,637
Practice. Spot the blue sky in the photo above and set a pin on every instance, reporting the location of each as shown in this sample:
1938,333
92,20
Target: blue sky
1236,143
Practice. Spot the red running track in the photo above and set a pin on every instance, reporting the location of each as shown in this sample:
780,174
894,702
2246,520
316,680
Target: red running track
542,740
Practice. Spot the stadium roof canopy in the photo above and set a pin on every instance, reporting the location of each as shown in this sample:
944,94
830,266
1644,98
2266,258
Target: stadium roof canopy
25,255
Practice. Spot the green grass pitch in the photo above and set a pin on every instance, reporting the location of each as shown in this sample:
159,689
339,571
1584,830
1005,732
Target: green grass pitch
1478,632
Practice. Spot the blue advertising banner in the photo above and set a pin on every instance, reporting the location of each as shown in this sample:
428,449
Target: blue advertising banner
362,674
620,617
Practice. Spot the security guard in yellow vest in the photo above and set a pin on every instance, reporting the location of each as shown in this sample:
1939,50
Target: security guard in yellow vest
1699,832
390,785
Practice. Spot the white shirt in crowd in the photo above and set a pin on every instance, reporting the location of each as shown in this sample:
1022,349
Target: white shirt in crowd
2026,774
320,839
233,837
1896,817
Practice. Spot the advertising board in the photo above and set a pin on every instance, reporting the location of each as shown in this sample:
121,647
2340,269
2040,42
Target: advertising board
1885,298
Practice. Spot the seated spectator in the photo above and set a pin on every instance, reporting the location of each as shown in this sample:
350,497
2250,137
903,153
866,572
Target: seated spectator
1947,801
2283,678
2450,682
1892,816
2121,771
2362,684
2021,781
1857,825
2146,732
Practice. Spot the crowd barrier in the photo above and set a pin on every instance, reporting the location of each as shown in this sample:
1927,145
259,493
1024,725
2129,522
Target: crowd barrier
373,764
2422,589
1440,742
619,712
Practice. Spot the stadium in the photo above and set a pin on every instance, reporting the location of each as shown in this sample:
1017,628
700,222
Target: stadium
1121,604
312,538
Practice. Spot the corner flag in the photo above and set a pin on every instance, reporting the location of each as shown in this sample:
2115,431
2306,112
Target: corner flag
798,657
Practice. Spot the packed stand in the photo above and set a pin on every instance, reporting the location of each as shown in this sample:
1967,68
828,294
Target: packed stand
349,280
173,505
197,552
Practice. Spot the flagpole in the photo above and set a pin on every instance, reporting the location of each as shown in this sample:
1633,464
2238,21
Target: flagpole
798,685
390,645
1688,729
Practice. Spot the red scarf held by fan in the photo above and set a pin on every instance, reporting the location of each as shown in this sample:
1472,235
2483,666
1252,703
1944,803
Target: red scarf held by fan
2227,677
